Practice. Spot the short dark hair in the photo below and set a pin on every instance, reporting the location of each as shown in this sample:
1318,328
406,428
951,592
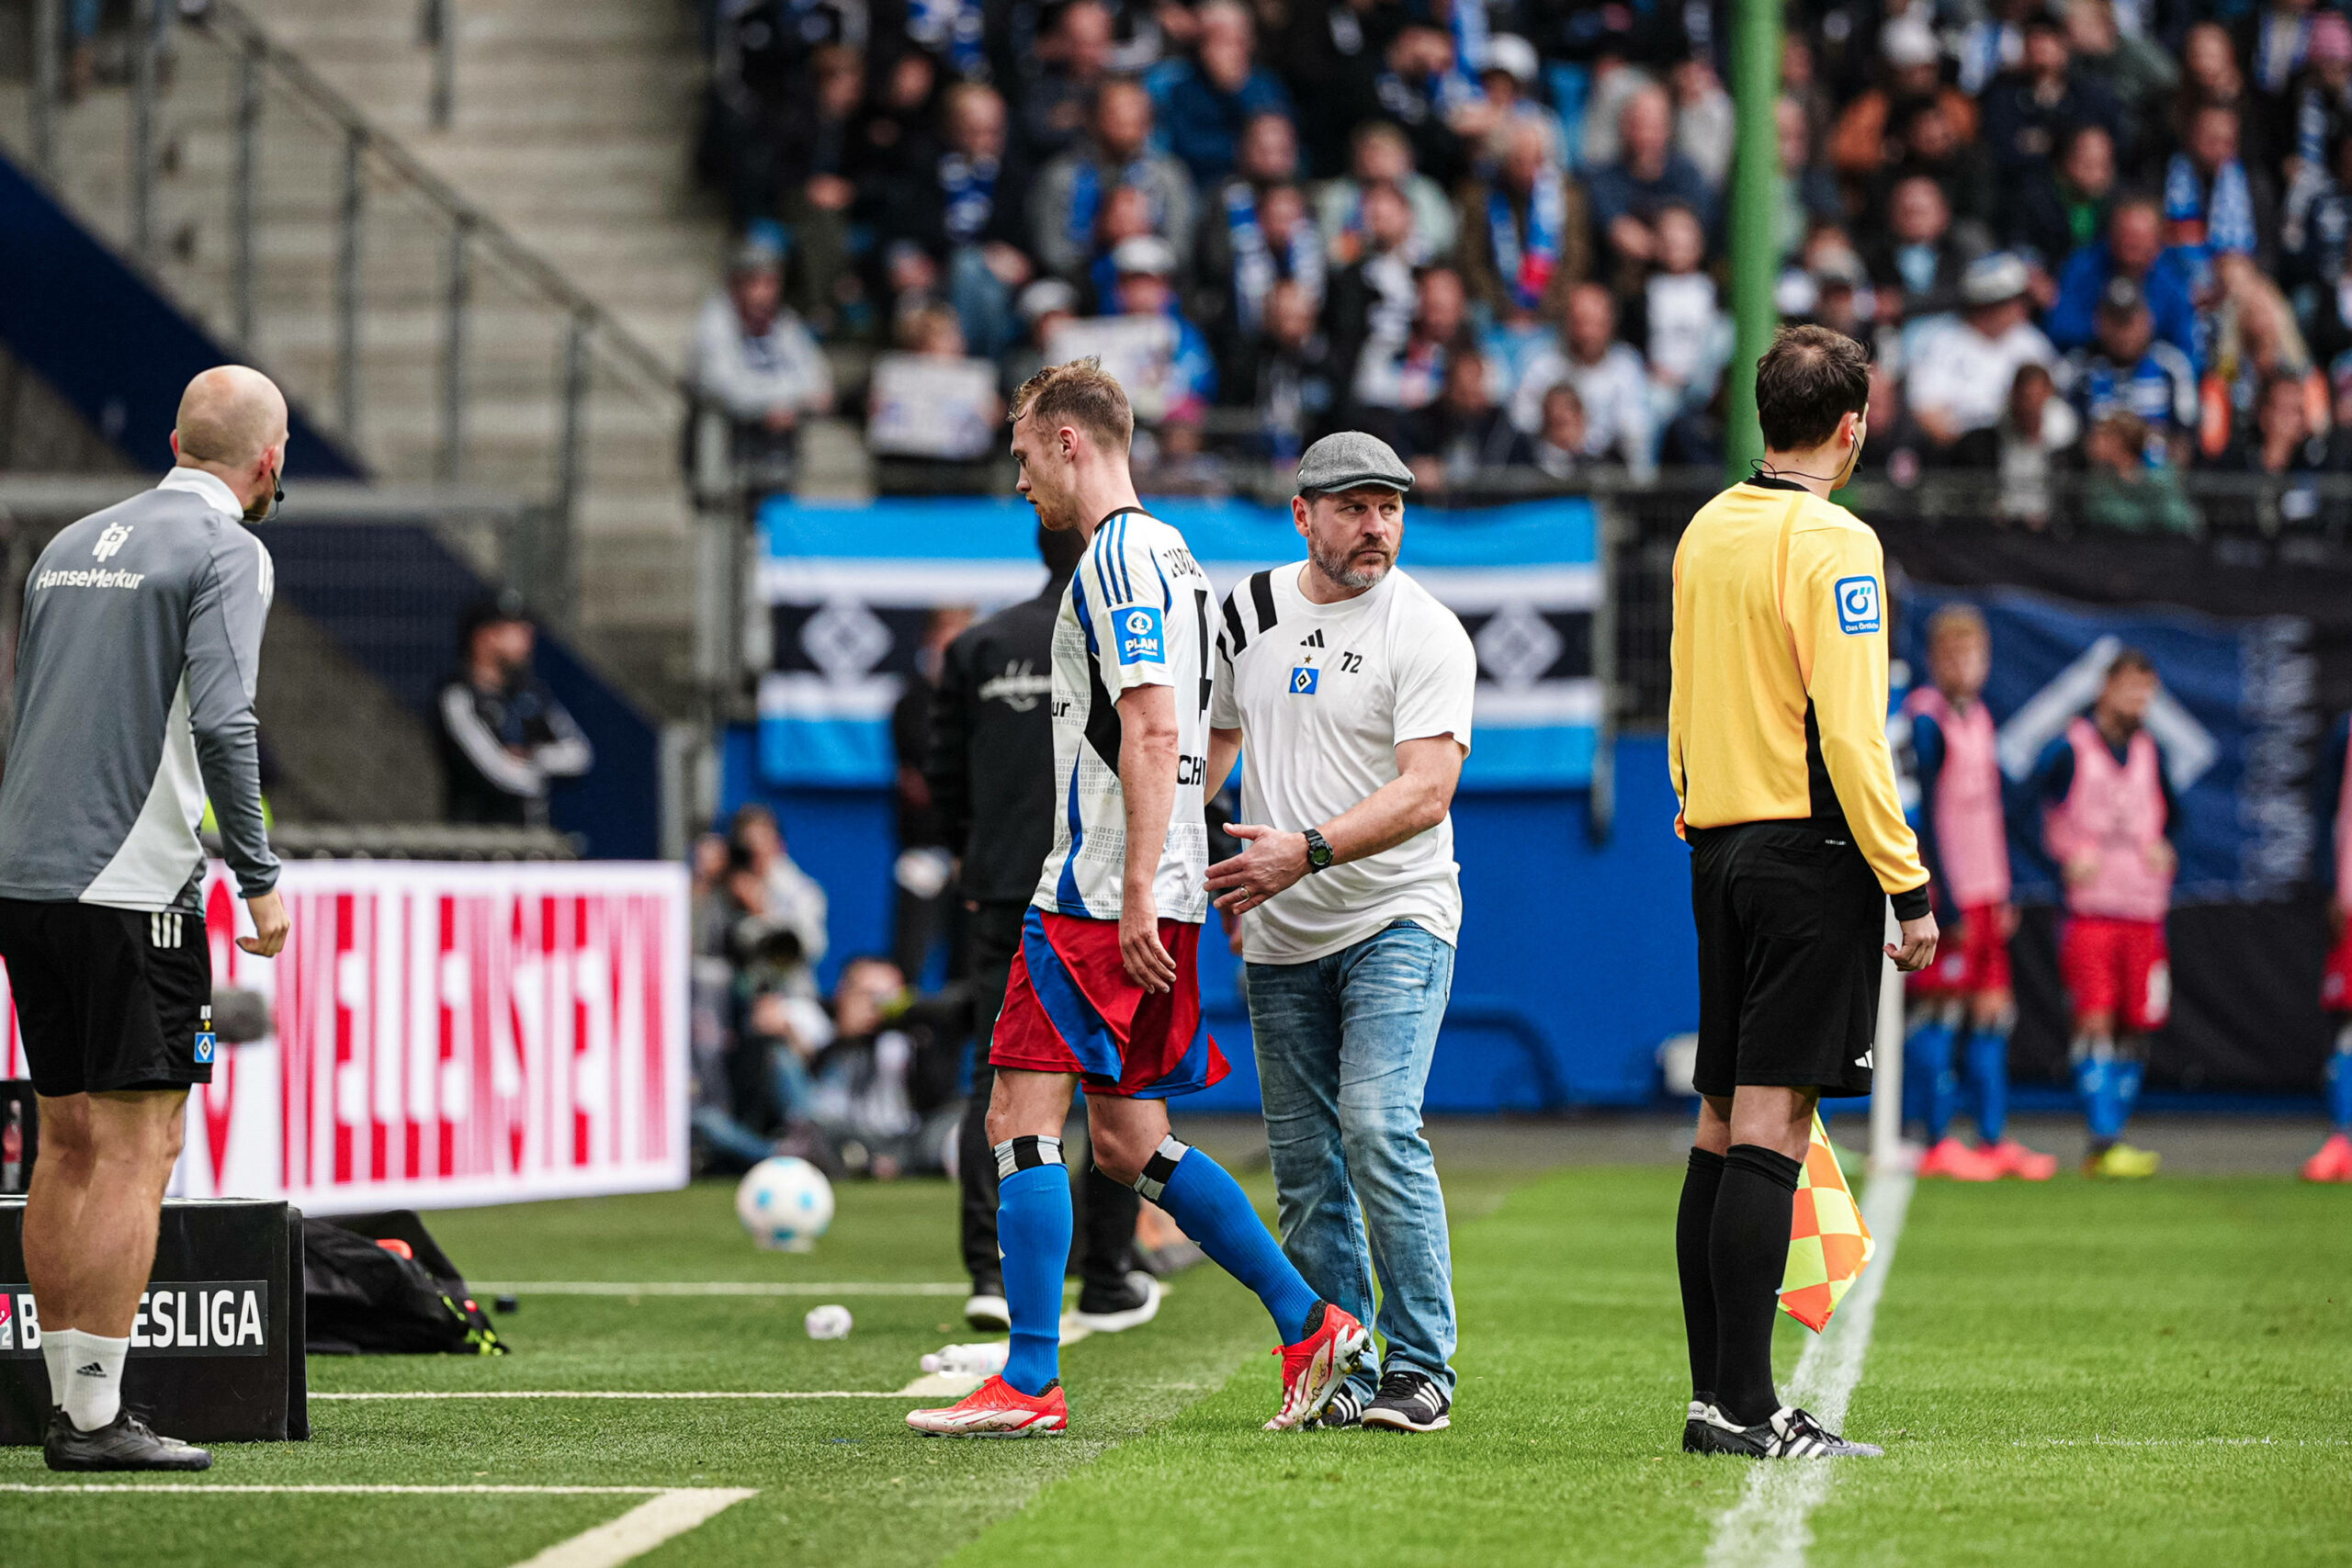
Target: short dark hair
2130,660
1809,379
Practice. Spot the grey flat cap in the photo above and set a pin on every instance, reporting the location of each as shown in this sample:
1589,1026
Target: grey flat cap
1350,459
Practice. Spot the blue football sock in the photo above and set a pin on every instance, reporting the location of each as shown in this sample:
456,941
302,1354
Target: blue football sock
1213,1209
1033,1230
1921,1050
2094,1084
1988,1074
2339,1082
2128,1071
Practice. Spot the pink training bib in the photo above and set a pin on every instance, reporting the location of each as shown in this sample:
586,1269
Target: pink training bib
2113,813
1971,841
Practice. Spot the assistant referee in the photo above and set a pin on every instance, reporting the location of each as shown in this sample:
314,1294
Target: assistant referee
135,671
1776,738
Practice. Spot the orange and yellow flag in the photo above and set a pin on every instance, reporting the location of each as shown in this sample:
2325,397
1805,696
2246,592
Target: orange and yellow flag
1829,1244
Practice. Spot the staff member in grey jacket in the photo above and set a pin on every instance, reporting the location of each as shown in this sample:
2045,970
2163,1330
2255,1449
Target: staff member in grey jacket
135,669
1351,686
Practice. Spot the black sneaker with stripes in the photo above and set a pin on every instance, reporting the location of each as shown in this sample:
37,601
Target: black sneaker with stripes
1408,1401
1790,1434
1346,1409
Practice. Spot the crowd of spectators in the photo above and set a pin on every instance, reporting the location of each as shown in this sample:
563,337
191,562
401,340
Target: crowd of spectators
2078,234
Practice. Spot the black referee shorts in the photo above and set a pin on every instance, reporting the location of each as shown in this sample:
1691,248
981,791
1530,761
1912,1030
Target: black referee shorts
1791,927
108,1000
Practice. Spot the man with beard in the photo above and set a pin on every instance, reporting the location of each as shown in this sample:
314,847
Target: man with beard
1106,990
504,735
1350,685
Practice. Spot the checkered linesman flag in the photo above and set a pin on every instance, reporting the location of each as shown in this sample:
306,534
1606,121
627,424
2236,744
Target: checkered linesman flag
1829,1244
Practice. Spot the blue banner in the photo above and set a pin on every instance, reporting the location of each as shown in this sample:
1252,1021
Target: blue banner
851,588
2235,717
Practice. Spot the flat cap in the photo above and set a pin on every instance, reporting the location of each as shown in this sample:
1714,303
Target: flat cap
1350,459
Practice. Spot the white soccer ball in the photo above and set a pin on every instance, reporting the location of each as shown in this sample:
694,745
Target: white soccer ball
784,1203
827,1322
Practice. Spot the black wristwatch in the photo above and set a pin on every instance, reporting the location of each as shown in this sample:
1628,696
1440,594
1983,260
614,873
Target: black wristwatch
1319,853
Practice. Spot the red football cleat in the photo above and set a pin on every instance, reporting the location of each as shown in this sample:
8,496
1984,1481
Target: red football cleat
1955,1159
2333,1163
2014,1158
1314,1368
997,1409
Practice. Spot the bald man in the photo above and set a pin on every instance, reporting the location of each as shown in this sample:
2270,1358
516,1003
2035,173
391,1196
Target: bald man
135,669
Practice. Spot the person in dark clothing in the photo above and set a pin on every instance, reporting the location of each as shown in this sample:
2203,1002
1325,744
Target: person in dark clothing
503,734
992,783
925,869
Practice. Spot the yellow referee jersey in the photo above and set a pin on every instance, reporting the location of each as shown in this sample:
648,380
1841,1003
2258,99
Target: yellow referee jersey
1778,710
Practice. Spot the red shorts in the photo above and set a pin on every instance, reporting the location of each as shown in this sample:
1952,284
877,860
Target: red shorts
2121,967
1070,1008
2335,985
1970,961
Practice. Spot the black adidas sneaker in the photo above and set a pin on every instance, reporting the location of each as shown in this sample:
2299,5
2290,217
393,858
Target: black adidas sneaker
1694,1440
1408,1401
1346,1409
1790,1434
123,1443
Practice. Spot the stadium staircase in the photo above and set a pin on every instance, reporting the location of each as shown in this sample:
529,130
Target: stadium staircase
433,313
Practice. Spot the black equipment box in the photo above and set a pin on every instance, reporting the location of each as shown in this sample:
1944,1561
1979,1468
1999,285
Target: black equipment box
216,1352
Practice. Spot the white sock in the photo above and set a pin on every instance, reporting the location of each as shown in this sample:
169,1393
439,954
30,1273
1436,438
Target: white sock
94,1383
57,1348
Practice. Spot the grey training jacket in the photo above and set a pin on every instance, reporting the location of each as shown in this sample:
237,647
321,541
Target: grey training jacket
135,671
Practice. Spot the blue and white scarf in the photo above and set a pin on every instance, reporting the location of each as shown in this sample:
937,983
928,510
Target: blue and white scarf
1527,267
953,28
2227,211
1460,85
1255,269
969,187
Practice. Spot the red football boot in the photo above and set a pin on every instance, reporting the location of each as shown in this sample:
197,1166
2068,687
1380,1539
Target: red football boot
997,1409
2333,1163
1314,1368
2014,1158
1955,1159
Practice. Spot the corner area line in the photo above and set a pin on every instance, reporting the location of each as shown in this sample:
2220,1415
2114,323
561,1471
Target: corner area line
1767,1527
716,1288
667,1513
658,1518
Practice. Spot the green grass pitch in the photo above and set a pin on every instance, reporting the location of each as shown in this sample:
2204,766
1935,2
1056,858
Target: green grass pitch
2129,1376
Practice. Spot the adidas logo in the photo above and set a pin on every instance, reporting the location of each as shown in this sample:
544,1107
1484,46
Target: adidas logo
92,1370
1312,640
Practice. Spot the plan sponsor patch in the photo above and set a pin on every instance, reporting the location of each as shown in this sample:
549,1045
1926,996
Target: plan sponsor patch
1142,640
1857,605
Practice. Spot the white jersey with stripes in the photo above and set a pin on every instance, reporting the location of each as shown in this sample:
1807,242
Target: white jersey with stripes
1136,614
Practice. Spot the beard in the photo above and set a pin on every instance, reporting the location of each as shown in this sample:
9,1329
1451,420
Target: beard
1345,570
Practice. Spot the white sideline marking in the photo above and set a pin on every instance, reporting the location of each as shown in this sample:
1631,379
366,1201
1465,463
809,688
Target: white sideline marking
1767,1527
643,1528
625,1393
667,1511
714,1288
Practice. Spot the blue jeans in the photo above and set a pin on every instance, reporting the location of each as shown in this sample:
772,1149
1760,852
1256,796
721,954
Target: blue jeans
1343,1046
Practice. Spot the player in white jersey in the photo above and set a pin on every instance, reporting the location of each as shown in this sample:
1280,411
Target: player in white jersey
1106,991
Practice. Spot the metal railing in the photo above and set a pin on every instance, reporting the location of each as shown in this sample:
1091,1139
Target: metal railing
263,201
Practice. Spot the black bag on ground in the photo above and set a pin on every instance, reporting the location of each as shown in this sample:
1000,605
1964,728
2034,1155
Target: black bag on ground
365,1298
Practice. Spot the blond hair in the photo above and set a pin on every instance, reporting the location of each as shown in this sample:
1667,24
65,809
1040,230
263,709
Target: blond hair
1081,393
1956,620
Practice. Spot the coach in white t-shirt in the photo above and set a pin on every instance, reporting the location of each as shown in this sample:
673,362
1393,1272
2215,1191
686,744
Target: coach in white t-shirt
1350,687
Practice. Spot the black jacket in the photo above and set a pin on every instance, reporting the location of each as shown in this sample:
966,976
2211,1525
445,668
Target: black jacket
499,751
992,765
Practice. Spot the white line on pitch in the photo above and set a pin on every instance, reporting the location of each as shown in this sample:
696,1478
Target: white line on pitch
620,1393
716,1288
643,1528
667,1511
1767,1528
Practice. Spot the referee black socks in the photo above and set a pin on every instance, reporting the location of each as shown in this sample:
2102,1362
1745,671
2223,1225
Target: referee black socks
1693,1225
1748,1256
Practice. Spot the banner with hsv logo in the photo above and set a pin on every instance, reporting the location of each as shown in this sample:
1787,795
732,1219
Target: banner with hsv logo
851,590
447,1035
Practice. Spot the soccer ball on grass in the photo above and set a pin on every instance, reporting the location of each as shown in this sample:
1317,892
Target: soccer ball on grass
784,1203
